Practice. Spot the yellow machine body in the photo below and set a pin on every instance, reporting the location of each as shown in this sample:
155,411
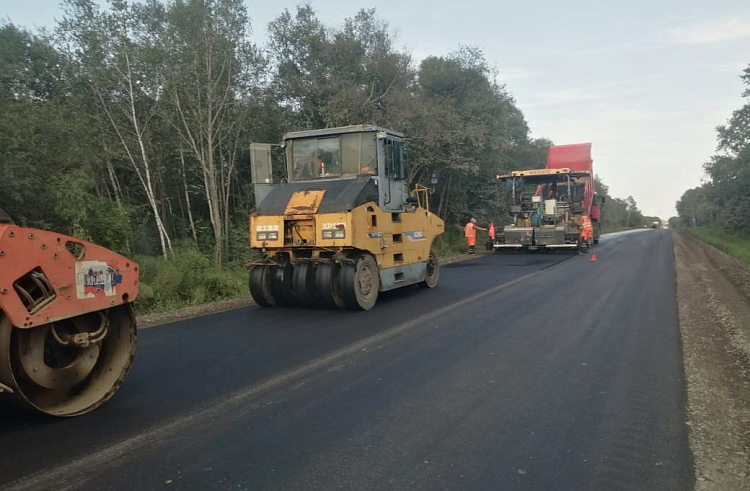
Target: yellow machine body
403,241
341,238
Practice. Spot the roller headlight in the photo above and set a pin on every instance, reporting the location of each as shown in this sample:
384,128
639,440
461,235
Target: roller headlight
334,234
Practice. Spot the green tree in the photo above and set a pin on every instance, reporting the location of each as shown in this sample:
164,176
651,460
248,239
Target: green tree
211,65
466,129
725,200
112,51
337,77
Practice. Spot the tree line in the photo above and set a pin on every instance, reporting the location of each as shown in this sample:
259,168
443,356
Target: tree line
724,200
620,213
129,125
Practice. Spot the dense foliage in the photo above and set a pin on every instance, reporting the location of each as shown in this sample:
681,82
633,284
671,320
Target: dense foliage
724,201
129,125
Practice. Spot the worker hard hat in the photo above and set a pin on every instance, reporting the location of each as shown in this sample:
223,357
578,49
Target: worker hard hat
473,220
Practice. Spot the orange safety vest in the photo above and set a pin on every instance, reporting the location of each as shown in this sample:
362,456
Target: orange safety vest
587,230
469,230
492,231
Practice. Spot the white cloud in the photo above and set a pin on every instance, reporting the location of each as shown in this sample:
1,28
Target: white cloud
514,73
562,96
729,67
611,89
633,115
632,45
712,31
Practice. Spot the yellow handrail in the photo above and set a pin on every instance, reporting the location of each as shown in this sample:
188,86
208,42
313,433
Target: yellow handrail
422,193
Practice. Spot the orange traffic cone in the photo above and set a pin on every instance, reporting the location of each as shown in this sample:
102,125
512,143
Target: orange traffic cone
593,257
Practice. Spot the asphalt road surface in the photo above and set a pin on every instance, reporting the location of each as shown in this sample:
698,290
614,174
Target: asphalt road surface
538,372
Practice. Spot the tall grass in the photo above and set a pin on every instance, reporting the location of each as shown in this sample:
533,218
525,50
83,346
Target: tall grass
450,243
453,243
733,244
191,278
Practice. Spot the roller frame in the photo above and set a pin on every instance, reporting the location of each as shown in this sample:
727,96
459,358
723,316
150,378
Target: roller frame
48,279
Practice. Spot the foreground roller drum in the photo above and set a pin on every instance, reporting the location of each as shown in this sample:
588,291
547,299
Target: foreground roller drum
67,329
342,225
52,374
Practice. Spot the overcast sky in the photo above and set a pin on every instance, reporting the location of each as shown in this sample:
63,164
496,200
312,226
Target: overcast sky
647,81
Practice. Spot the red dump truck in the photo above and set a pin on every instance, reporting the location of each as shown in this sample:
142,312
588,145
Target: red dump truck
555,207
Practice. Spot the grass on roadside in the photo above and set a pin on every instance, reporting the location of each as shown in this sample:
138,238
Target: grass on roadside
191,278
453,243
733,244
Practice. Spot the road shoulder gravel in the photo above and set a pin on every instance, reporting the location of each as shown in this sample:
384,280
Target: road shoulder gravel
714,312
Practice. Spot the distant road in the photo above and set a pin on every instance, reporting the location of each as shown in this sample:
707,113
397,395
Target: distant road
538,372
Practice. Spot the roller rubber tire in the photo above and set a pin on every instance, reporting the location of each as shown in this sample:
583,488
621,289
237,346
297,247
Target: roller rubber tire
433,270
281,285
303,284
327,286
260,286
359,283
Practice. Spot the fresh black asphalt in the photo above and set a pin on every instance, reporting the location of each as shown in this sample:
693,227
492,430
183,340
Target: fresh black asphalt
538,372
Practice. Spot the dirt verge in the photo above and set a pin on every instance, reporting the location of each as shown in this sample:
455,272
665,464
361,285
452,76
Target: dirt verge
715,324
153,320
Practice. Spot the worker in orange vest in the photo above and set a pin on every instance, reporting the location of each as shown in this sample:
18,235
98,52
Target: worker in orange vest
470,231
587,231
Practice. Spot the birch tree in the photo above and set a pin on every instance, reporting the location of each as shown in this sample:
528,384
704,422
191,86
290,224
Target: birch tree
212,69
108,49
